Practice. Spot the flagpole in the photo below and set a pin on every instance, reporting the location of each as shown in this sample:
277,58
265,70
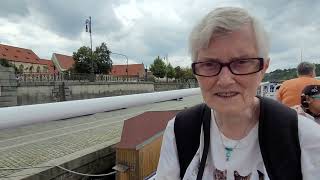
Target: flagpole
88,29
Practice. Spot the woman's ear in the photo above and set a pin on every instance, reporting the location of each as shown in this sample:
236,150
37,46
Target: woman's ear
265,67
266,64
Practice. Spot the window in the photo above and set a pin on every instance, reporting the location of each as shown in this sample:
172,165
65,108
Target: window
21,68
45,69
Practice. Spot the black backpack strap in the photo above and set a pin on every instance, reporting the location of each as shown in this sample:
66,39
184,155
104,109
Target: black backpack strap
206,133
279,140
187,129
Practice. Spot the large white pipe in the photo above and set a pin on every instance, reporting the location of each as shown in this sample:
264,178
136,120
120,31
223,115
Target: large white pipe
23,115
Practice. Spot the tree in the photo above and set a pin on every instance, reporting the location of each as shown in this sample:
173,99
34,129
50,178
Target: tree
158,68
178,72
280,75
187,73
102,63
317,69
6,63
82,60
170,71
103,60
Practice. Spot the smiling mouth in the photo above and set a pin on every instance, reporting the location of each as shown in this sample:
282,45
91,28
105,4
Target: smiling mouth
226,94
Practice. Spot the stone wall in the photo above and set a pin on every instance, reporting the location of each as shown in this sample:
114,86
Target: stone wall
173,86
98,162
47,92
8,87
26,93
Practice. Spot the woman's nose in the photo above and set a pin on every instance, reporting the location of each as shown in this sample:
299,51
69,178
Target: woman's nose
225,77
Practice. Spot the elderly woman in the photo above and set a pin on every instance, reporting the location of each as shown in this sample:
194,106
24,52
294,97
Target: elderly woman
235,135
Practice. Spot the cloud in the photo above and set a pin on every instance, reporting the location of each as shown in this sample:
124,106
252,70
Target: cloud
34,37
13,8
143,30
67,18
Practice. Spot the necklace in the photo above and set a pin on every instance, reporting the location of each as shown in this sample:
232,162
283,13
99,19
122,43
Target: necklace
229,150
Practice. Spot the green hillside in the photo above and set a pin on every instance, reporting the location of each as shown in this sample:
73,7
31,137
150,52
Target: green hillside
285,74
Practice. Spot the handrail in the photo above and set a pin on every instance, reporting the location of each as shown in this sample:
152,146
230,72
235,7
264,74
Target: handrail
24,115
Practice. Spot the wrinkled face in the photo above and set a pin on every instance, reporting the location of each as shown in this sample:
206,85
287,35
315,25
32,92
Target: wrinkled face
226,92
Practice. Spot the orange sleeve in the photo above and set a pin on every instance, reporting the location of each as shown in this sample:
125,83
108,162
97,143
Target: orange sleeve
279,93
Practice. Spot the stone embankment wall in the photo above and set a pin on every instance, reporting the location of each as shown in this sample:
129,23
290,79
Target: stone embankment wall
8,87
47,92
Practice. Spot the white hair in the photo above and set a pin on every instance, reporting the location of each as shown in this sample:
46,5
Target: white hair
222,21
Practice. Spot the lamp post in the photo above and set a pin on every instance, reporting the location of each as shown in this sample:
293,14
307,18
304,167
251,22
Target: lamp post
126,59
88,29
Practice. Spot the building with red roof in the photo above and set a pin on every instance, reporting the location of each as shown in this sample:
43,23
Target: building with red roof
24,59
51,68
134,70
138,152
62,62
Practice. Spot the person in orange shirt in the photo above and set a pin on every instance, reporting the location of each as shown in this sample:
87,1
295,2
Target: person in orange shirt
290,90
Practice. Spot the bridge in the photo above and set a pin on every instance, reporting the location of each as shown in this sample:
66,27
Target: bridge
74,139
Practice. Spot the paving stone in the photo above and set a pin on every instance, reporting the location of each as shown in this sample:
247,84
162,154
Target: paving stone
43,142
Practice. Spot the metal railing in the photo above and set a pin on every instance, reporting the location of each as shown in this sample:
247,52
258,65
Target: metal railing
47,77
79,77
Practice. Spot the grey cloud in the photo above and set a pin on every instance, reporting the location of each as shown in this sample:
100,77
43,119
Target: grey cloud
164,40
67,18
158,39
292,25
10,8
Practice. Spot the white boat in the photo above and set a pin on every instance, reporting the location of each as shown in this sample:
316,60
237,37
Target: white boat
268,89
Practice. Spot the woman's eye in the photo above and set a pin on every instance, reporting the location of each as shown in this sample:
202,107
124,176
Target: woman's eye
208,64
242,62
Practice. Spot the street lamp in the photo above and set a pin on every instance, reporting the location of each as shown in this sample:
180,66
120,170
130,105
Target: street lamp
88,29
126,58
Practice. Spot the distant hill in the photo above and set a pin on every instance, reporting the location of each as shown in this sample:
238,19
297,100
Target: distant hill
285,74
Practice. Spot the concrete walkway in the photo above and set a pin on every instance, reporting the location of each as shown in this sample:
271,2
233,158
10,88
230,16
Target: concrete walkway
57,142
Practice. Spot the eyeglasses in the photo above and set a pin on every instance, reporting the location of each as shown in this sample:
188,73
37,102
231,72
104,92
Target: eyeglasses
316,96
237,67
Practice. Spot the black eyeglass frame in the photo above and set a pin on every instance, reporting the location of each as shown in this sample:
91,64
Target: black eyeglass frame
261,63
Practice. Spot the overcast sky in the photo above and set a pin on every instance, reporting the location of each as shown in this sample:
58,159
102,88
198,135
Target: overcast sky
143,30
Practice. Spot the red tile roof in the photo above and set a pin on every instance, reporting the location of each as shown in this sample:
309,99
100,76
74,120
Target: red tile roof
65,62
50,66
138,129
133,70
17,54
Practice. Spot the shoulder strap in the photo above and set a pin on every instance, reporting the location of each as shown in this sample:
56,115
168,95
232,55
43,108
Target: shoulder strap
206,119
279,140
187,129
